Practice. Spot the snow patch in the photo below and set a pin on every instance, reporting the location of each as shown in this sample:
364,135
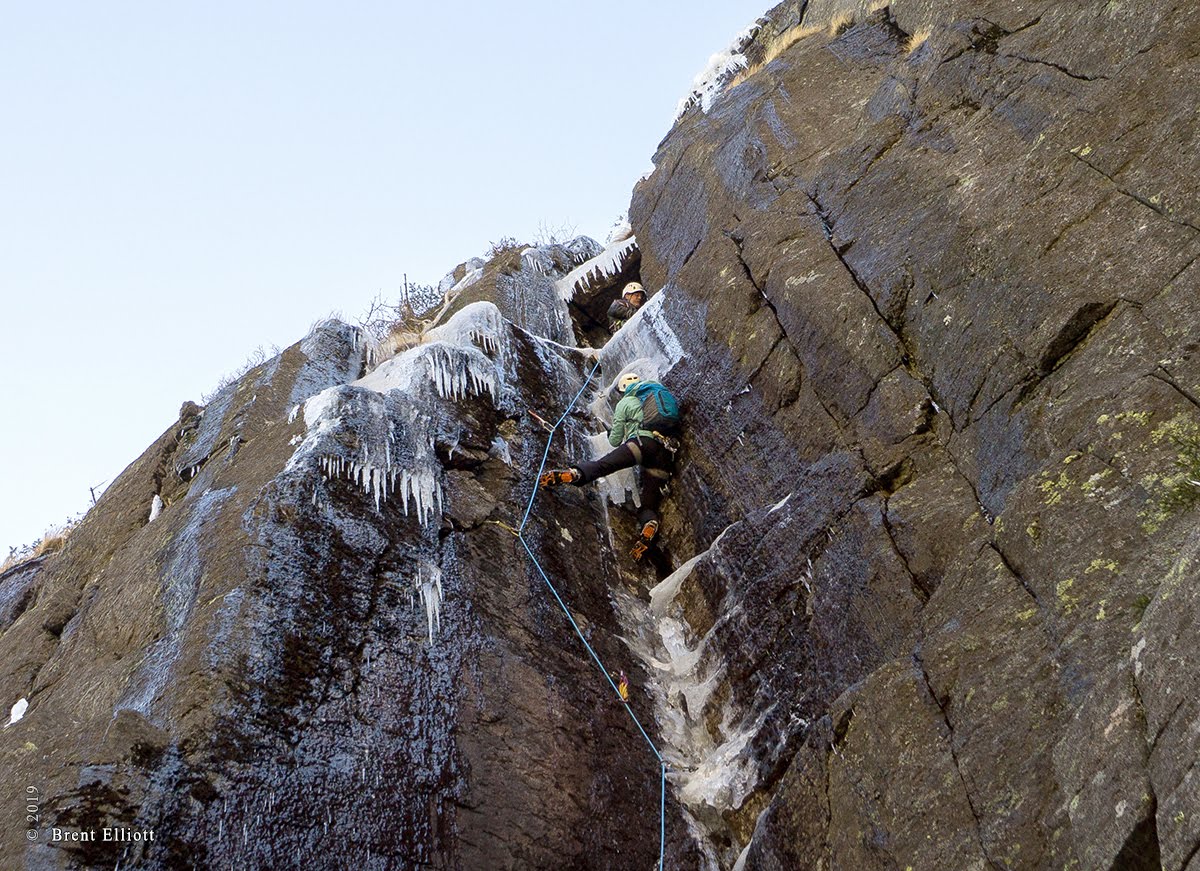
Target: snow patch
709,82
156,507
17,712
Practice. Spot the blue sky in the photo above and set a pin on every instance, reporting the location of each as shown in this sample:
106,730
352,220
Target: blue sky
183,182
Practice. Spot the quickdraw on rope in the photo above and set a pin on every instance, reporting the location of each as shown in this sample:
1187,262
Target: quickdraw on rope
621,690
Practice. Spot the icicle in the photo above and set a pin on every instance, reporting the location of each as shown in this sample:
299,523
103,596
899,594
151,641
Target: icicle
428,585
606,265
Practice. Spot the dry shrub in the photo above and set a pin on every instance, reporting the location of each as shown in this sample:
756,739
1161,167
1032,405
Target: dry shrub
917,39
841,22
403,335
506,245
777,46
52,543
507,253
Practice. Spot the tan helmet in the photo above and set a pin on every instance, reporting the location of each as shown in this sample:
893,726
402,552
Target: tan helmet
632,288
627,379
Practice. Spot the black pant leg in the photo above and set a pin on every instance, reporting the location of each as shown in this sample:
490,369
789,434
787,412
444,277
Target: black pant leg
657,463
615,460
651,492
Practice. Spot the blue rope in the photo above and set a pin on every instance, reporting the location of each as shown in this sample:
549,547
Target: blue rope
662,823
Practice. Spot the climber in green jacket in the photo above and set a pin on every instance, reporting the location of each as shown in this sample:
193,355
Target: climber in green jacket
642,434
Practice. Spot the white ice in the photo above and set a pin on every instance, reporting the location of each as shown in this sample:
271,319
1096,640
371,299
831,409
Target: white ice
605,265
618,486
500,451
156,507
428,585
454,362
457,371
710,80
708,749
18,711
473,266
726,775
620,230
647,340
480,323
449,358
474,273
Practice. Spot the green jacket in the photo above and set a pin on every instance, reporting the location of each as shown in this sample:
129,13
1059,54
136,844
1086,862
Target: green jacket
627,419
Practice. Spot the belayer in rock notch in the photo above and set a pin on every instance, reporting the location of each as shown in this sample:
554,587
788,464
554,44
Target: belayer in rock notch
645,426
632,299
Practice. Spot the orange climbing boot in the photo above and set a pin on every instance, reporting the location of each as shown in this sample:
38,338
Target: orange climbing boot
559,476
643,543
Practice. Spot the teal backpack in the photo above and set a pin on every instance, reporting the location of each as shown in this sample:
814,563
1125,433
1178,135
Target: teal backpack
660,409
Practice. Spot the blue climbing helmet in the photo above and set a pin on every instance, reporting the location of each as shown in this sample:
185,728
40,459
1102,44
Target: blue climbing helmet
660,408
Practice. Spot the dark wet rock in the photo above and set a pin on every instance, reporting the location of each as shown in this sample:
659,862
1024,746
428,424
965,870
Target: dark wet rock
968,269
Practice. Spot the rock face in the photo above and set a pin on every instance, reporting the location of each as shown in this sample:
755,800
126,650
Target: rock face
948,300
927,284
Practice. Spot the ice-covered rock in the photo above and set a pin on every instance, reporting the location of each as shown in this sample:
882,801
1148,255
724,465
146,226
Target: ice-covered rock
720,67
600,269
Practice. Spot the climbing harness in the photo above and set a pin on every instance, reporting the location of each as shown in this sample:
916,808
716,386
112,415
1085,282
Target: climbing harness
622,689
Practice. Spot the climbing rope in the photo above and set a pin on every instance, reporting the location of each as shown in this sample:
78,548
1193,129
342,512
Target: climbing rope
662,806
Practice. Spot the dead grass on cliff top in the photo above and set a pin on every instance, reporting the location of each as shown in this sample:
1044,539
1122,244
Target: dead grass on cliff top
53,541
785,39
774,49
